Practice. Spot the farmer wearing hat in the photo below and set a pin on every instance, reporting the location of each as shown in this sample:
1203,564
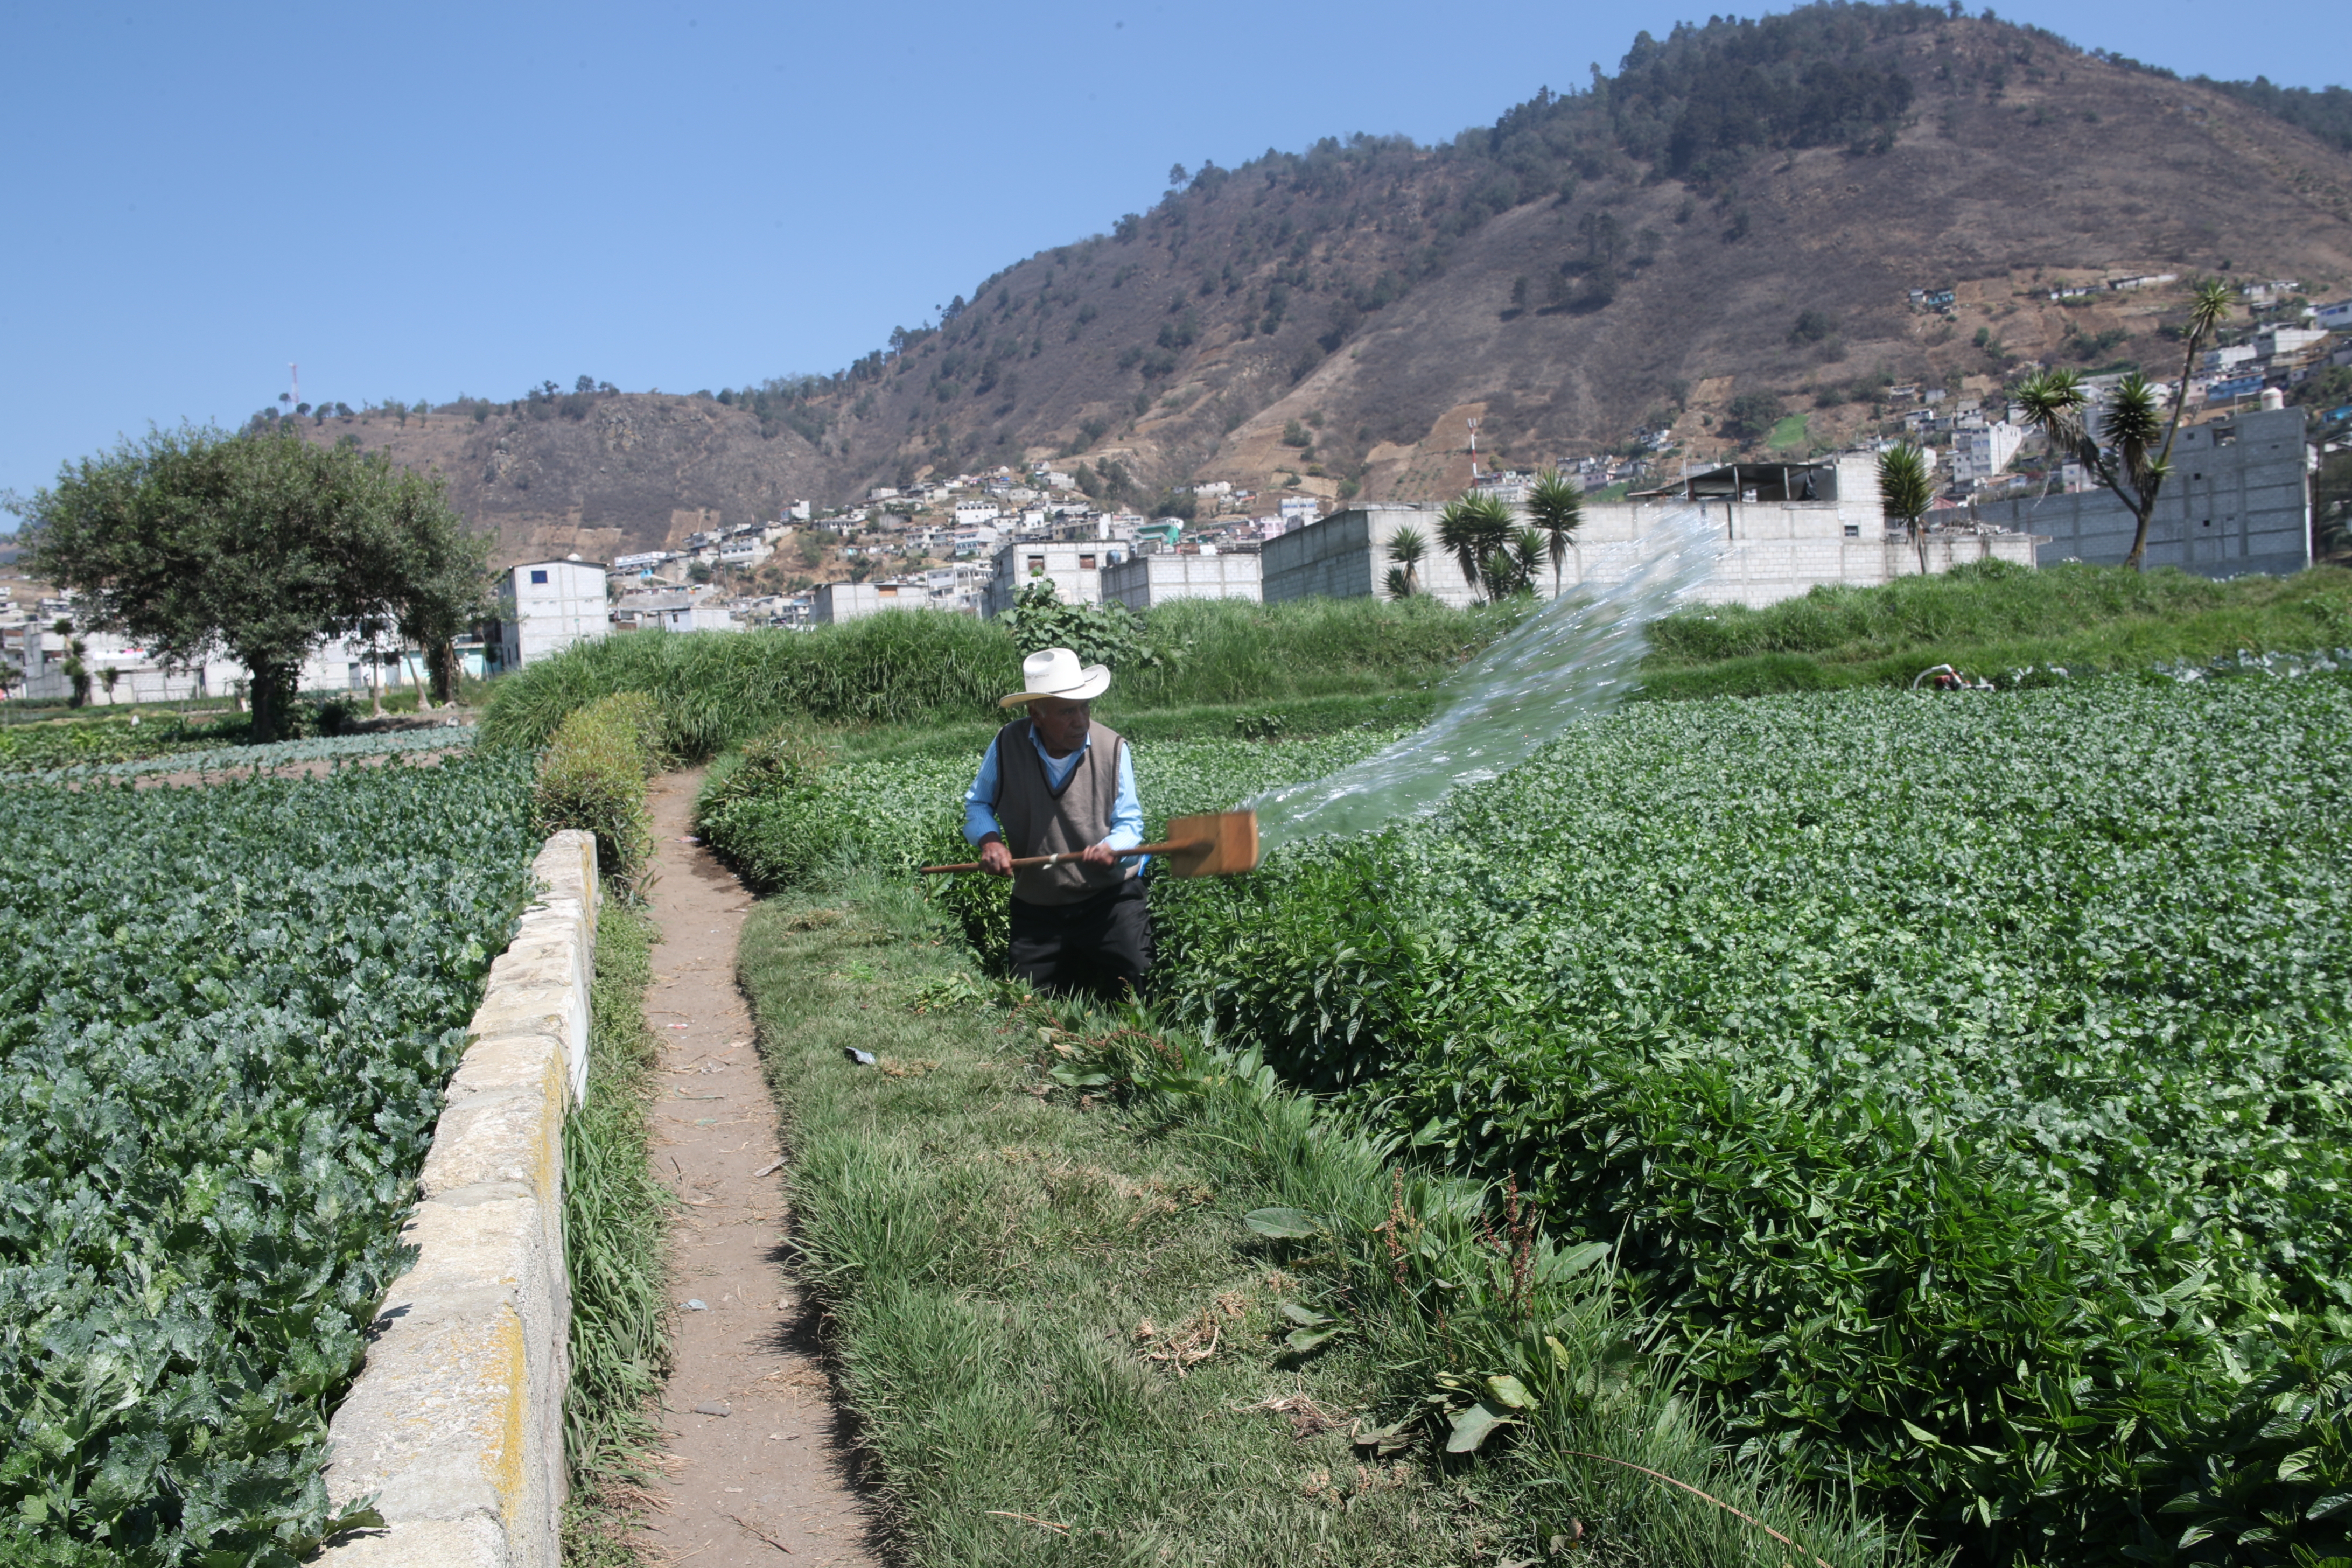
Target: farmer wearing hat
1058,783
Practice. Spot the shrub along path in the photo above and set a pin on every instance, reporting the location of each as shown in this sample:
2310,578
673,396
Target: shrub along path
747,1410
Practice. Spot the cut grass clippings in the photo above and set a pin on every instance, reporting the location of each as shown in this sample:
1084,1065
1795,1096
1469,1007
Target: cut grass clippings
1066,1343
615,1212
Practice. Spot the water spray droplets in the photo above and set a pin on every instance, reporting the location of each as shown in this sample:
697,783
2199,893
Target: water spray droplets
1573,660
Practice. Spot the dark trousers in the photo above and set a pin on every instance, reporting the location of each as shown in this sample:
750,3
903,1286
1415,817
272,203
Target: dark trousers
1101,946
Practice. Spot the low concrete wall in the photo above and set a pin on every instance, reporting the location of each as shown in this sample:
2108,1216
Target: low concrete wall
456,1424
1775,550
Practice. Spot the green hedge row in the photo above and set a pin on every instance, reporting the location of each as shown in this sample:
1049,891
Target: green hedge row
592,775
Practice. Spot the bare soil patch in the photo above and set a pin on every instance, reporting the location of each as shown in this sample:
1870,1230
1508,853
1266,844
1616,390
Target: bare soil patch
763,1459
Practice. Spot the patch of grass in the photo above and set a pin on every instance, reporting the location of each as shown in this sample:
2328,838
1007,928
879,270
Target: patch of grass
1789,431
721,688
1988,619
614,1213
1065,1345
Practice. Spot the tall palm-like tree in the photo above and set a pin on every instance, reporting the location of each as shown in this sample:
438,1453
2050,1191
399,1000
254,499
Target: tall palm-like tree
1904,492
1407,549
1474,528
1556,507
2131,454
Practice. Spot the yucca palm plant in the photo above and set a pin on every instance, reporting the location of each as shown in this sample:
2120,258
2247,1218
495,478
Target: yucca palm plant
2132,453
1527,558
1474,528
1407,549
1556,507
1904,492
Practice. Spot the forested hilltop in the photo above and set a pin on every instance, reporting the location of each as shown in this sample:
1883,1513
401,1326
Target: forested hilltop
1740,211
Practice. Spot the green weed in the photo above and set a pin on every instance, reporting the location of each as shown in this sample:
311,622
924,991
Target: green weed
1990,617
614,1208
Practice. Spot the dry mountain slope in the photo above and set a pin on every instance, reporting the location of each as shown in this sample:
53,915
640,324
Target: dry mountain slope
1640,251
601,475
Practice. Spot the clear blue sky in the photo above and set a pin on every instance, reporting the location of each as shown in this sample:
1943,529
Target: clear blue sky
418,200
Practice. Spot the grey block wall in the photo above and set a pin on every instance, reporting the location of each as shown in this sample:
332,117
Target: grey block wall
1141,582
2238,500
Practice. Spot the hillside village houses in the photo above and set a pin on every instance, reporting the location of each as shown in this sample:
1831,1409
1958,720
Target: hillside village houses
968,544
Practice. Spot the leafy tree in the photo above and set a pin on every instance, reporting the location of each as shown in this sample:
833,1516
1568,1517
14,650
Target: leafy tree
2132,455
1556,507
265,545
1811,327
1407,549
439,583
1751,416
1904,492
1474,528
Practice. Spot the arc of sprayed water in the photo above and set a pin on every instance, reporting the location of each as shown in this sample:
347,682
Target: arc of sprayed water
1571,661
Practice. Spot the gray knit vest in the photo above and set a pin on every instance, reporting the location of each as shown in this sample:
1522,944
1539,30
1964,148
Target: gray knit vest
1039,821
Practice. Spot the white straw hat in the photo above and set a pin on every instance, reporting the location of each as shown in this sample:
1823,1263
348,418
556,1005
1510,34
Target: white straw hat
1056,672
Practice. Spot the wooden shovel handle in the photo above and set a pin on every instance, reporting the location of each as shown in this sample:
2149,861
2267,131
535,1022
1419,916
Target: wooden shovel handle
1034,862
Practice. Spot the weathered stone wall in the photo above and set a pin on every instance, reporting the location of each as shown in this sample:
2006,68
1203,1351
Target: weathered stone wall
456,1423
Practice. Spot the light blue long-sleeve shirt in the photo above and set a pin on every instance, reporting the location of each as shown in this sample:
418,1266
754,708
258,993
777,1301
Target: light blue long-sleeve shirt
1126,811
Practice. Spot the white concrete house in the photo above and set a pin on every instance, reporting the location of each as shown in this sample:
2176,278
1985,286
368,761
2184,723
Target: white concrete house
545,607
1075,567
1980,451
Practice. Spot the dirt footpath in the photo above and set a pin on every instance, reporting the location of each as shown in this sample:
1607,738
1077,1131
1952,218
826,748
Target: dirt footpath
762,1469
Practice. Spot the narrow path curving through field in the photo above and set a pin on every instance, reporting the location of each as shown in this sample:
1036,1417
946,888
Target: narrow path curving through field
761,1468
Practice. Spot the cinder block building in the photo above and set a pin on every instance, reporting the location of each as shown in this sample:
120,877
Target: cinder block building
545,607
1075,567
1142,581
839,602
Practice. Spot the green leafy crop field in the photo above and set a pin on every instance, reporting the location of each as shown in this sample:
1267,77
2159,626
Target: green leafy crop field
1961,1081
229,1014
